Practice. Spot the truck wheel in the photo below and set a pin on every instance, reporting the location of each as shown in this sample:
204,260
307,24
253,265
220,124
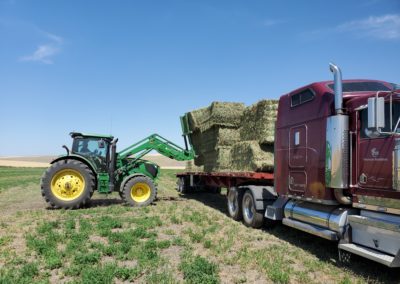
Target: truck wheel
181,185
234,203
251,217
139,191
68,184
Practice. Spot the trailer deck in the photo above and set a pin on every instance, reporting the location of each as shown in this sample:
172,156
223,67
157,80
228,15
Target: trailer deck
229,179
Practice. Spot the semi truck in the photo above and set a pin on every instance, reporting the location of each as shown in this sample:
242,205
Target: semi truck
336,171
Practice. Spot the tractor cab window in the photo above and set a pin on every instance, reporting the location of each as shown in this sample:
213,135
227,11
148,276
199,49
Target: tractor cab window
90,147
367,133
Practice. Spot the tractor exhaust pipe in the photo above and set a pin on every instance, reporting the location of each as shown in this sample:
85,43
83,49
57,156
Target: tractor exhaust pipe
111,168
338,87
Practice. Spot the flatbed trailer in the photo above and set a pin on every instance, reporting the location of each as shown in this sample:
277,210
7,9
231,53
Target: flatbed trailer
225,179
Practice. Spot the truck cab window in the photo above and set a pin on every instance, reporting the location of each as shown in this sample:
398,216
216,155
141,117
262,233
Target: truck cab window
302,97
367,133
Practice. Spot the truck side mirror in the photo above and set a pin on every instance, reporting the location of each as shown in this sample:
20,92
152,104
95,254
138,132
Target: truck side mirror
376,113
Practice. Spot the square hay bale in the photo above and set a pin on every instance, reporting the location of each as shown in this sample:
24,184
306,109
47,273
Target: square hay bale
218,160
219,136
218,113
251,156
258,122
210,139
191,167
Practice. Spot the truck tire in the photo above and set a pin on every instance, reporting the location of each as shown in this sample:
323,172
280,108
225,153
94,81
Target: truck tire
181,185
139,191
68,184
234,203
251,217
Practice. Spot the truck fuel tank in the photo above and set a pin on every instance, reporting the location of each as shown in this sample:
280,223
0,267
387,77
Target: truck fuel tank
333,218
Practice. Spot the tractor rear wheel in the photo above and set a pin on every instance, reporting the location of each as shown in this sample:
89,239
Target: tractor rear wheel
139,191
68,184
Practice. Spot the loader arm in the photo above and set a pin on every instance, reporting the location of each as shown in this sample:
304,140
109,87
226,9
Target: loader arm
159,144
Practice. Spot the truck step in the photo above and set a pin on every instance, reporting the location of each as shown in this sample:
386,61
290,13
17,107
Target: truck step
378,234
312,229
385,259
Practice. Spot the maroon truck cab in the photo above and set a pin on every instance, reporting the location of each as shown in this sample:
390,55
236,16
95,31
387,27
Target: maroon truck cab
301,146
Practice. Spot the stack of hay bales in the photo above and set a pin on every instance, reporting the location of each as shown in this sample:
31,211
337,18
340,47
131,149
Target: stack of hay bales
214,130
230,137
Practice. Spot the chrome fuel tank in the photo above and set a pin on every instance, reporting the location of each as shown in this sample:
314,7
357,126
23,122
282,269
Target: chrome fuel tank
330,217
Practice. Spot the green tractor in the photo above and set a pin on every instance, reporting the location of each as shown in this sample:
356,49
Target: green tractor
94,164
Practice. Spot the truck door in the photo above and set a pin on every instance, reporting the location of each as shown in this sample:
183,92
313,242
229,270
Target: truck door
298,159
374,154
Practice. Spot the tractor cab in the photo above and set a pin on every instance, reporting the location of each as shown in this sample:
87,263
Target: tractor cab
93,147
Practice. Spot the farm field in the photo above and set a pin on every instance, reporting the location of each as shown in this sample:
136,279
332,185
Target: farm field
180,238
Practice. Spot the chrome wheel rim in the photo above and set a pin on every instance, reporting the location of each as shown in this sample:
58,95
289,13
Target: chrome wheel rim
248,208
232,202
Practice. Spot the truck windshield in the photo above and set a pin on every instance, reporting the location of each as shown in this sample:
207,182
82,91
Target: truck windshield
396,86
89,147
362,87
367,133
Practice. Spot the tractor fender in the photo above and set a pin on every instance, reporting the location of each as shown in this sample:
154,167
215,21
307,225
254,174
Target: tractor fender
78,158
125,180
263,195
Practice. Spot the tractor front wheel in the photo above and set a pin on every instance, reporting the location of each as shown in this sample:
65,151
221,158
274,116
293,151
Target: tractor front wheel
139,191
68,184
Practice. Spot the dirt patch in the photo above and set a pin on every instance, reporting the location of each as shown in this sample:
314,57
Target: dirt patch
235,274
173,255
98,239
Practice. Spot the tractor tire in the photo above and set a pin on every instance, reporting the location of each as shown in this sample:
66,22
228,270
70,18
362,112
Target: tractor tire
251,217
234,203
139,191
68,184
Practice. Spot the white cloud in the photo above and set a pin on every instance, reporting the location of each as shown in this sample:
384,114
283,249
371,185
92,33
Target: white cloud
382,27
45,52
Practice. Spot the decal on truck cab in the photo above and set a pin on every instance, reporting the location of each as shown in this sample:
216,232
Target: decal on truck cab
328,163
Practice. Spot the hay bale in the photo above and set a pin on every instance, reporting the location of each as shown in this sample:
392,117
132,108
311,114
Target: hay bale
258,122
208,141
191,167
218,113
251,156
218,136
218,160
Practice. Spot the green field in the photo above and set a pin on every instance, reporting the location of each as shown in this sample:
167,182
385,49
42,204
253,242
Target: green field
178,239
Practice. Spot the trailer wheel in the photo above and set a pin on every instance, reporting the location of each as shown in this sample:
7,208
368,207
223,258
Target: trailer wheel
139,191
68,184
251,217
181,185
234,203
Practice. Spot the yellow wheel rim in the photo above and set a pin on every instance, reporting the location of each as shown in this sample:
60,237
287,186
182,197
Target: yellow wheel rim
67,184
140,192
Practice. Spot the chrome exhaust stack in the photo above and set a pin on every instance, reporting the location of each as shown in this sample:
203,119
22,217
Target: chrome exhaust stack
337,143
338,87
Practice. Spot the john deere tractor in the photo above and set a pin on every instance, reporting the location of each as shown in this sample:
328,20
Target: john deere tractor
94,164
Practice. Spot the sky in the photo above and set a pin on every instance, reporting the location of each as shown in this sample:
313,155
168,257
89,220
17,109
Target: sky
131,68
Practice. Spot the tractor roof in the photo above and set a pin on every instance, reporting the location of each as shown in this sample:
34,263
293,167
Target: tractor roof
80,134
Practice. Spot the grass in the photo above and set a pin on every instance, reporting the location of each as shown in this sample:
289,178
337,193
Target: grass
179,239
